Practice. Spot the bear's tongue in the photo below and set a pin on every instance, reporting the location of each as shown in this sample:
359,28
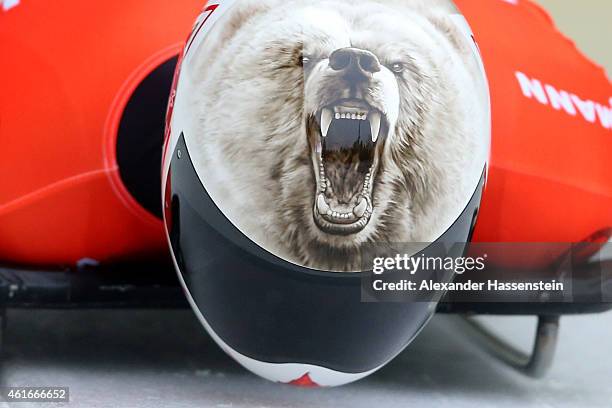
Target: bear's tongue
348,134
347,155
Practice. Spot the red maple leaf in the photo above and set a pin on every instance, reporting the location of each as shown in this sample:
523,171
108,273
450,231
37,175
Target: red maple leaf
304,381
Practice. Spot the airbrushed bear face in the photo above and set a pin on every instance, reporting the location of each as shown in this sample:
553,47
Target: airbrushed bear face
357,84
329,125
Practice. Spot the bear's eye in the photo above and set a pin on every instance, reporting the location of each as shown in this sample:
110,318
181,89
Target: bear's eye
397,67
306,60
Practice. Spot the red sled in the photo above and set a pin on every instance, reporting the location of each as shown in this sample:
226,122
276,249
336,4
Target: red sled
82,107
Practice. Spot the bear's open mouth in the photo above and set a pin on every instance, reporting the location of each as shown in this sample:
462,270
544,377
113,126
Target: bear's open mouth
347,138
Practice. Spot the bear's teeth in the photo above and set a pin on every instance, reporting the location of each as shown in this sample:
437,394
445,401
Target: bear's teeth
375,125
326,119
322,205
361,208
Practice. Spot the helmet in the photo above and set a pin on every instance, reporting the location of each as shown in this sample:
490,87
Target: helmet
301,135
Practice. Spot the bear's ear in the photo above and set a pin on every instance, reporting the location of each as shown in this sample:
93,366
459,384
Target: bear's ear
224,30
241,13
455,28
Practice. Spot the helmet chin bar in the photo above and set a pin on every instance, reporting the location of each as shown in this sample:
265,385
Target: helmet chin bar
304,375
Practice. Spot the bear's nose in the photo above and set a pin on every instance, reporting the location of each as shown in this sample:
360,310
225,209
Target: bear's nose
354,62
